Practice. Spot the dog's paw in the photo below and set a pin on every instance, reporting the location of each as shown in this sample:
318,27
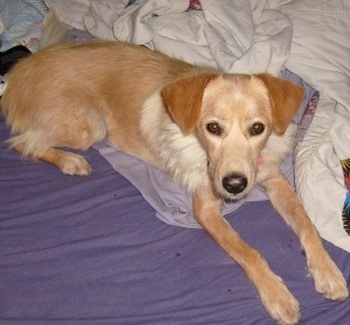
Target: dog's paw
329,281
73,164
281,304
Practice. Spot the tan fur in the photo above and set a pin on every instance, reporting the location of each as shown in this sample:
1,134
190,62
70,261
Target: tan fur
166,112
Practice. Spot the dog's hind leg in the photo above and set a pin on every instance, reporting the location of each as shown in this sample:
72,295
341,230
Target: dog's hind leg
70,163
41,141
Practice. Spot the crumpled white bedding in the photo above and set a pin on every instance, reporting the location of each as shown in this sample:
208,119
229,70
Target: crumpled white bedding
319,54
257,40
309,37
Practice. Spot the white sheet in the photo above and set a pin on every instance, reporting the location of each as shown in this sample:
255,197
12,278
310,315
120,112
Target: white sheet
237,36
309,37
319,54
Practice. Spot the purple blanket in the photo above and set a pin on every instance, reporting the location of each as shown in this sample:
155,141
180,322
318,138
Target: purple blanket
89,250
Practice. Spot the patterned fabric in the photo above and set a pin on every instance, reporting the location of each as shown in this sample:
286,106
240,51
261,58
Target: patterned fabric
305,122
346,209
21,21
195,4
38,5
302,128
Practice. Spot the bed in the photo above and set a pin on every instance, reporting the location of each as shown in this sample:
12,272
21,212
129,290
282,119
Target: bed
120,246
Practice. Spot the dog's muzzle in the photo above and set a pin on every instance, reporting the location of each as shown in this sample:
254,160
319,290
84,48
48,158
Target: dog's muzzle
235,183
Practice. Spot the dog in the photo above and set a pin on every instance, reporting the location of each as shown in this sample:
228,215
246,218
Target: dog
218,134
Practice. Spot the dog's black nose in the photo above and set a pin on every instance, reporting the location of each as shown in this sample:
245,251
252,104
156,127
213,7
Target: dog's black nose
235,183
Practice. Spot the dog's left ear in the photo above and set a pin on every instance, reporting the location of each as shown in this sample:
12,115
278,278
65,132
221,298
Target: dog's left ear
183,100
285,100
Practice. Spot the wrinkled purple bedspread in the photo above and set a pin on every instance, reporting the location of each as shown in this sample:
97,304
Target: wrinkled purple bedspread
89,250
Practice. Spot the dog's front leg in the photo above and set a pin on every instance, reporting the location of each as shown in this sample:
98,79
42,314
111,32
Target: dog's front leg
329,281
278,301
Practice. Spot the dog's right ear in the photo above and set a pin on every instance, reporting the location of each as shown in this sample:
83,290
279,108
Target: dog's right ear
183,100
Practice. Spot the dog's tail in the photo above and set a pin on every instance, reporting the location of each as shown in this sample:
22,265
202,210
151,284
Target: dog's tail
55,31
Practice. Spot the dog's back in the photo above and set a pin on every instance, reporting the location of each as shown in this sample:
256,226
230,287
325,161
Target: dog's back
98,88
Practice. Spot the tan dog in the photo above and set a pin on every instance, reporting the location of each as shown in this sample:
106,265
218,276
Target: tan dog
218,134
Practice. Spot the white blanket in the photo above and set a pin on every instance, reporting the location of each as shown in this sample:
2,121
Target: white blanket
309,37
319,54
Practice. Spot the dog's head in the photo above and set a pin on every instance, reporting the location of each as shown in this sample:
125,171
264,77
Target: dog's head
233,117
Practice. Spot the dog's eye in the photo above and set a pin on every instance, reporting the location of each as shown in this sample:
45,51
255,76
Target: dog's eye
214,128
257,128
